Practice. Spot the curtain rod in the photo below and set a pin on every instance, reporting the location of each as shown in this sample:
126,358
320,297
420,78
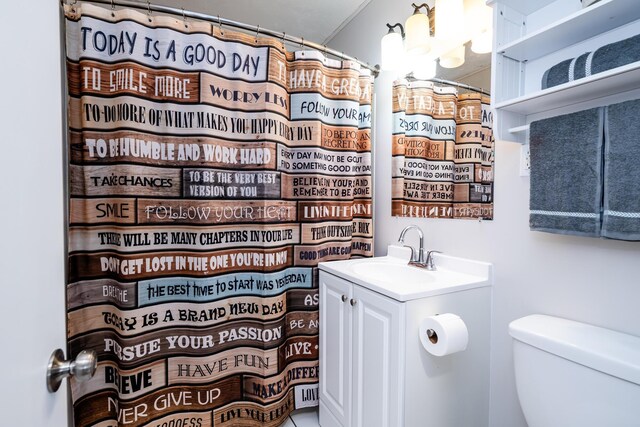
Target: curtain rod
461,85
230,23
451,83
410,77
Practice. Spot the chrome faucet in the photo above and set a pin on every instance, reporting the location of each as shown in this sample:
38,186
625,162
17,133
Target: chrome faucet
419,257
430,265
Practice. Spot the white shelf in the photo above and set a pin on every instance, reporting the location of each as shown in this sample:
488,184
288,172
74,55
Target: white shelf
518,63
524,6
617,80
584,24
519,129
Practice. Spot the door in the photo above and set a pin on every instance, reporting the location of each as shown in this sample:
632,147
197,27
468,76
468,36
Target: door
377,370
335,349
32,305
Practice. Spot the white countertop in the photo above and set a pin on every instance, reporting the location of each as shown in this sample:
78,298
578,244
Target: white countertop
392,276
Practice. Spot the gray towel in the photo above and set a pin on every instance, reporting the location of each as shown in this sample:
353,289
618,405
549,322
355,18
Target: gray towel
607,57
567,70
580,66
616,55
621,216
566,173
557,74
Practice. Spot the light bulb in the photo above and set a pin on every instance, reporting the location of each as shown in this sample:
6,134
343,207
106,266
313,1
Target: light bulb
417,38
423,67
483,42
449,19
453,58
392,51
480,26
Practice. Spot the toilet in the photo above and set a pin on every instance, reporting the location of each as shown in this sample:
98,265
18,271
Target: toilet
571,374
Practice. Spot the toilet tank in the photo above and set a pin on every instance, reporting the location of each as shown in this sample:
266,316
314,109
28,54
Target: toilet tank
570,374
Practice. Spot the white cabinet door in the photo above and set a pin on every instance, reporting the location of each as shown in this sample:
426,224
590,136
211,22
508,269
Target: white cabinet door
335,349
376,360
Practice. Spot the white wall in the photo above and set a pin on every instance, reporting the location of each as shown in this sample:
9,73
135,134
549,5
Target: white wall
32,256
590,280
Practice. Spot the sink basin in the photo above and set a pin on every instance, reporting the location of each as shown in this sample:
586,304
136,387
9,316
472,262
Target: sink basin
392,276
389,272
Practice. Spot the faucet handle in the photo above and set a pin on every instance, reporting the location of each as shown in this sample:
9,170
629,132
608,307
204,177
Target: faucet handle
413,253
430,264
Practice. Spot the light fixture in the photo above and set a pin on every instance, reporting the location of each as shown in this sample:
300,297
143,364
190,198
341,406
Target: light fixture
392,49
423,67
418,37
480,19
456,23
454,58
449,19
483,42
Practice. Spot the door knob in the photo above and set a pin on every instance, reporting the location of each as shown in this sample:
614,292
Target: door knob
58,369
344,298
353,302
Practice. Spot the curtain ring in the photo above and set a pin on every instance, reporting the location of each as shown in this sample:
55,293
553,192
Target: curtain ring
220,26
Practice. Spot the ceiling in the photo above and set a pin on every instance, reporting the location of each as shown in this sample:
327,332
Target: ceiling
314,20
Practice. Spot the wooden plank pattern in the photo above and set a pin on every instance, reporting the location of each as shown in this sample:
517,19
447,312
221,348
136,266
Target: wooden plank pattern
443,152
209,172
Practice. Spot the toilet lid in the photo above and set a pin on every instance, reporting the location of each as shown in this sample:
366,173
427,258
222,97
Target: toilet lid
608,351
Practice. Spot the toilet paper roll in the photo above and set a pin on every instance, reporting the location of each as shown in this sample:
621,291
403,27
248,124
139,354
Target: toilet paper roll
443,334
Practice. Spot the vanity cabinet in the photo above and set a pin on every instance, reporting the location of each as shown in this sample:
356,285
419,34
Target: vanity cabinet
360,374
533,35
374,371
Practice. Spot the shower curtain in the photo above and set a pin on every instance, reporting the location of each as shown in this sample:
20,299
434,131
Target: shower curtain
442,149
209,172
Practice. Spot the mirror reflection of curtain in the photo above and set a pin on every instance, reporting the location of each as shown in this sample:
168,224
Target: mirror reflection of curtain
442,149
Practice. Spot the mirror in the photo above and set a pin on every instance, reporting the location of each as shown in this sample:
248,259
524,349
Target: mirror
442,144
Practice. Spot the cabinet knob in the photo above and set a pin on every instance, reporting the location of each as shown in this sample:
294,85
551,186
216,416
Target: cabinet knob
353,302
344,298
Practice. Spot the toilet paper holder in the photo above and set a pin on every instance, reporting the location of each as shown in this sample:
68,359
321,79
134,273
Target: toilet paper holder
443,334
432,335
